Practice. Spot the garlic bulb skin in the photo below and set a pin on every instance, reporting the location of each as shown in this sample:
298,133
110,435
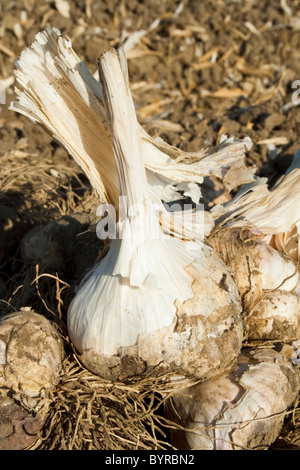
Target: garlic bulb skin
153,303
243,408
268,283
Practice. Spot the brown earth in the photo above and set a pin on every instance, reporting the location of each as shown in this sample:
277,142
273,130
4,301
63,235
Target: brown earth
199,70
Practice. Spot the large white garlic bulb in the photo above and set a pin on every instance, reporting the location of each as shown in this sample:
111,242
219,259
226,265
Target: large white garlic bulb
153,302
153,299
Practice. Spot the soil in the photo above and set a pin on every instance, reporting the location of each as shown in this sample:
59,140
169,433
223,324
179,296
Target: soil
198,70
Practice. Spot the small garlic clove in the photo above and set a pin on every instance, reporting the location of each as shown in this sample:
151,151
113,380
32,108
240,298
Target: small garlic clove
243,408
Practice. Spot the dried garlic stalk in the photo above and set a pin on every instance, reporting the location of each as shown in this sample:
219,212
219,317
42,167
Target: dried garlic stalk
56,90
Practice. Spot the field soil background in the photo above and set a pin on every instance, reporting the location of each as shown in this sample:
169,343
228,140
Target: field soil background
198,69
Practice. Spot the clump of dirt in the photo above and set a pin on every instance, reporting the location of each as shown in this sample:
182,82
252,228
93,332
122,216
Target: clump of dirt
197,70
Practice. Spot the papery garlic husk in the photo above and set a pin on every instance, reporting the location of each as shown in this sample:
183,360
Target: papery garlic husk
273,214
154,303
31,365
243,408
287,242
55,89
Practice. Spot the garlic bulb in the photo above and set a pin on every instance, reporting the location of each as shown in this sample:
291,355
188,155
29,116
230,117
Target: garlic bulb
256,234
153,302
56,90
31,358
243,408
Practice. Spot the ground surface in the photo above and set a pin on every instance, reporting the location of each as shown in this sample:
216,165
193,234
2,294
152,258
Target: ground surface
199,70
